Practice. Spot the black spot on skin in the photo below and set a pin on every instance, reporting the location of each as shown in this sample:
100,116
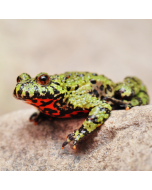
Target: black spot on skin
109,88
105,91
106,98
66,99
104,119
93,118
139,100
36,88
68,88
79,114
85,132
132,78
19,93
45,103
30,82
22,86
55,90
50,111
77,87
105,109
48,95
101,87
102,109
81,128
108,111
58,104
56,83
27,94
117,84
94,74
132,93
90,117
93,81
102,97
143,92
96,93
36,94
61,102
69,110
117,94
91,92
60,96
34,101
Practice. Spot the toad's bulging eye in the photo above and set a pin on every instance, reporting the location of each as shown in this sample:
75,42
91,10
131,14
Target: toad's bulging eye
43,79
23,77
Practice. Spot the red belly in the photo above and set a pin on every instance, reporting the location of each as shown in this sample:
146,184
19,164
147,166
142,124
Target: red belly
52,108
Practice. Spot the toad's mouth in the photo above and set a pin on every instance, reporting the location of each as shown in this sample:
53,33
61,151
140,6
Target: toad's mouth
22,94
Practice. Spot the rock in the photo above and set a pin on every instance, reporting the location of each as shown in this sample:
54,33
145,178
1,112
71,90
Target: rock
124,142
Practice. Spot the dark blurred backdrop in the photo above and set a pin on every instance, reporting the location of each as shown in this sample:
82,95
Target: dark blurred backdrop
115,48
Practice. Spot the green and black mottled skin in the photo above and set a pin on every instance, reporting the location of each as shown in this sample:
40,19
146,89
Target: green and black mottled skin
76,93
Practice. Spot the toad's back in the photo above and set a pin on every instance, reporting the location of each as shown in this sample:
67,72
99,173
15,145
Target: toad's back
85,82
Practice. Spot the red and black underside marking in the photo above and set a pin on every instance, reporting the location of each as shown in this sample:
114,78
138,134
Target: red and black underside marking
56,108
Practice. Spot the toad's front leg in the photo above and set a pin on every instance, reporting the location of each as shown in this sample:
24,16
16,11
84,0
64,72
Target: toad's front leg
37,117
96,118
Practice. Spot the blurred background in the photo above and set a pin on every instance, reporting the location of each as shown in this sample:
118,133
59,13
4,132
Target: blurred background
115,48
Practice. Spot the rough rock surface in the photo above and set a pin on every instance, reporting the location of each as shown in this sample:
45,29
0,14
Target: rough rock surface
124,142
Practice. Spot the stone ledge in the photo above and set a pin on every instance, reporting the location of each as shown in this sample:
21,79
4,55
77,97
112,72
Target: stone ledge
124,142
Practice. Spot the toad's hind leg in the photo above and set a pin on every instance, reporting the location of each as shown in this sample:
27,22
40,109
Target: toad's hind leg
142,98
96,118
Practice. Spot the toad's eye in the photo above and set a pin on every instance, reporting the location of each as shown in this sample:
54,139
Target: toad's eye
43,79
23,77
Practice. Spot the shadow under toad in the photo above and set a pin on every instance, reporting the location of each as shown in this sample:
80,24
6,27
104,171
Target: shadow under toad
56,131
